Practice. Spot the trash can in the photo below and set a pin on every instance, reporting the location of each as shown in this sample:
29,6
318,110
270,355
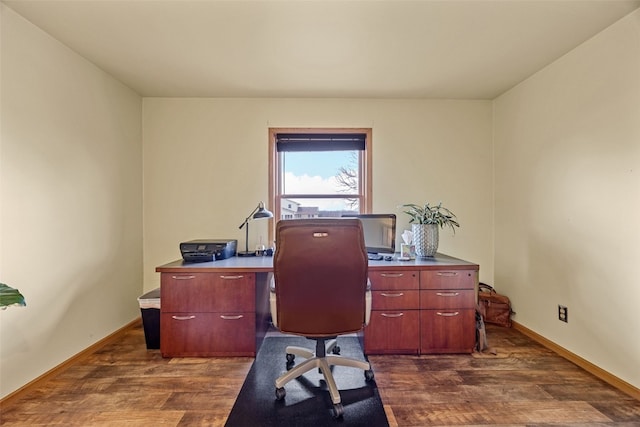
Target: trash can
150,309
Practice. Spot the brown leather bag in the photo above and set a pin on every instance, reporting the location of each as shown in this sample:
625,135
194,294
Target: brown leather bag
494,307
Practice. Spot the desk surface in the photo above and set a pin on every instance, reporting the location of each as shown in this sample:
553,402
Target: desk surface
265,264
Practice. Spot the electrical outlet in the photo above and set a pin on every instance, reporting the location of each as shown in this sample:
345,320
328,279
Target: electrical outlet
563,313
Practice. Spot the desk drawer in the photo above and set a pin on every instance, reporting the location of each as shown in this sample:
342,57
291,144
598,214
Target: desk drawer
448,299
392,280
392,332
448,279
447,331
205,292
207,334
395,300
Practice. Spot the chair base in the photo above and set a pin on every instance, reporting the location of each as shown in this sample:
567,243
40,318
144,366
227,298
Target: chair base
322,361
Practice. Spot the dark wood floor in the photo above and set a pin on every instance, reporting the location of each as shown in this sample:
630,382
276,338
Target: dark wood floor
524,384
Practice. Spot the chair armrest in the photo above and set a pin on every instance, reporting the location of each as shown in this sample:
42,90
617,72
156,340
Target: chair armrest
367,299
272,301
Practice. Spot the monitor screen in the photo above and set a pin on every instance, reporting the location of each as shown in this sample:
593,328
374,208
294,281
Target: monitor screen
379,232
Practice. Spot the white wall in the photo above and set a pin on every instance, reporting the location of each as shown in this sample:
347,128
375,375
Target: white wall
206,166
71,202
567,199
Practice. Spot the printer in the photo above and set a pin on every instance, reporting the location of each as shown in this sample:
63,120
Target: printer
205,250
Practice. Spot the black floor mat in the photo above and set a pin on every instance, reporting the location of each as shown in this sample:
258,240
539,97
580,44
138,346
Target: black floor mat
307,402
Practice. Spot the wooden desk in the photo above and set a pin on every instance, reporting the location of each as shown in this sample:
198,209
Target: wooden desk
221,308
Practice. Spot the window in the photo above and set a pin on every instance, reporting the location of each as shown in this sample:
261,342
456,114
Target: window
318,173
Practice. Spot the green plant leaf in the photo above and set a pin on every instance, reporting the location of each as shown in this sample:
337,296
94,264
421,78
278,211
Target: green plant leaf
428,214
10,296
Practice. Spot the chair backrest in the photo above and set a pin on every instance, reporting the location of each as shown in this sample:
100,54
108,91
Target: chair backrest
320,272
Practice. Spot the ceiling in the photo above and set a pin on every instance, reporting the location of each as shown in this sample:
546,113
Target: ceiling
474,49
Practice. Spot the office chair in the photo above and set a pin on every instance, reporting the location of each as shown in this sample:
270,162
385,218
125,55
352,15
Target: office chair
320,290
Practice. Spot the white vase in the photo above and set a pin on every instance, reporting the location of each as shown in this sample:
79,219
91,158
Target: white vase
425,237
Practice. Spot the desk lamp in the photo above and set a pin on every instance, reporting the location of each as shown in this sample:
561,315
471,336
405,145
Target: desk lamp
258,213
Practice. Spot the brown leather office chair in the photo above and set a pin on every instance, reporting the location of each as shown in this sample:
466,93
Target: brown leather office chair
320,290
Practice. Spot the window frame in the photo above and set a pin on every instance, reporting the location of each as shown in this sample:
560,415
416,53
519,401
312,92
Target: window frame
275,184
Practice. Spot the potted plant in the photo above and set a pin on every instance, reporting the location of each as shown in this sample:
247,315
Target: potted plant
425,221
10,296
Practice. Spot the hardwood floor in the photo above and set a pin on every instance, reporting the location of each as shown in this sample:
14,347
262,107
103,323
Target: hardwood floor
524,384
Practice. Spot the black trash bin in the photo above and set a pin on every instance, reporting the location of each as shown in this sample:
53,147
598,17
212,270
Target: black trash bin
150,309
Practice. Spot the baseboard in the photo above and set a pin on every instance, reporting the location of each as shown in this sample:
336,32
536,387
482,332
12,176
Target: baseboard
8,399
605,376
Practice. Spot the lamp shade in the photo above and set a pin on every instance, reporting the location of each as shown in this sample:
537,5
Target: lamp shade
262,212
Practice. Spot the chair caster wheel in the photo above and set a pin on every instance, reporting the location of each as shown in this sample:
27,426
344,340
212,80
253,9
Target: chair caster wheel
290,361
280,393
368,375
336,350
338,410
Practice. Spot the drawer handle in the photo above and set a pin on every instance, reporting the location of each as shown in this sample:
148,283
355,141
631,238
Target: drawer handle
239,316
392,314
447,294
231,277
183,277
392,274
183,317
448,314
399,294
447,273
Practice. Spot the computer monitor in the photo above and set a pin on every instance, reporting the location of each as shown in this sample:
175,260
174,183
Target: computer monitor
379,232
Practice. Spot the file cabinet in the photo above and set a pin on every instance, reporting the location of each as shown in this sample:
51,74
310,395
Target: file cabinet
395,305
447,311
207,314
422,312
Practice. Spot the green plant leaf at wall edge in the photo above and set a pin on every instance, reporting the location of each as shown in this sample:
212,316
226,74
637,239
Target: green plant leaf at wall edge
10,296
